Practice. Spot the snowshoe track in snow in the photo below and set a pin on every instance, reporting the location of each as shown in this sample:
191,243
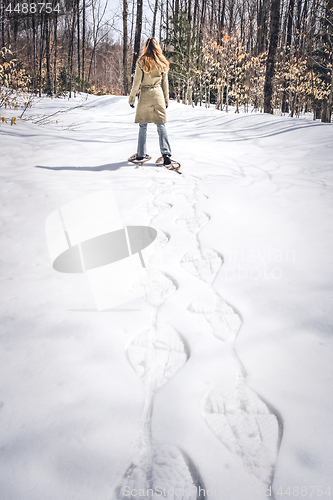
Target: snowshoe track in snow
192,196
204,264
154,287
212,310
156,355
245,425
154,208
193,221
161,239
161,466
157,187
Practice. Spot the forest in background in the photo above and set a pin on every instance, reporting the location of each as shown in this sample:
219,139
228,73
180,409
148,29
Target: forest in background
269,55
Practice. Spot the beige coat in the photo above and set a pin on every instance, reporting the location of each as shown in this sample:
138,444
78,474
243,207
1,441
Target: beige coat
154,95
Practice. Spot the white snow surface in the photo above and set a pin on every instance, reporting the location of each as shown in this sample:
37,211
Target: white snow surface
220,376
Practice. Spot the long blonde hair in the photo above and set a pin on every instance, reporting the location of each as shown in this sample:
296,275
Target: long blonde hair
153,57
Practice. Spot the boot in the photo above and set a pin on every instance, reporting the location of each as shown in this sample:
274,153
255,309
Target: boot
139,158
166,159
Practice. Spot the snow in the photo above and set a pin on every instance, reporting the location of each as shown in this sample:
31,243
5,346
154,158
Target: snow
219,375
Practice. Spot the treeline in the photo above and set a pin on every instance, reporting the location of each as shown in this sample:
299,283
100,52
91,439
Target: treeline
270,55
274,55
65,46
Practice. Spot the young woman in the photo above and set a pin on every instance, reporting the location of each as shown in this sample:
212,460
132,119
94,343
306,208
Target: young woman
151,76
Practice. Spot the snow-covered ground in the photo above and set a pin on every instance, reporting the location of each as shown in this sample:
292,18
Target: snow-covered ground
218,380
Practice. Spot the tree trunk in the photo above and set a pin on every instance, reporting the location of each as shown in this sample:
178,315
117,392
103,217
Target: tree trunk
231,17
78,37
189,19
303,25
83,42
34,41
70,55
125,47
195,15
298,25
221,21
330,101
262,20
270,65
161,24
41,53
55,52
291,7
202,20
47,56
138,29
154,18
328,25
2,24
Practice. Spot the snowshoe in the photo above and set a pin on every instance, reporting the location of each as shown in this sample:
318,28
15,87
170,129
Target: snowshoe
134,159
173,165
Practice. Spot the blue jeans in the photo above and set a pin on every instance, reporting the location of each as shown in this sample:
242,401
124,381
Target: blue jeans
163,137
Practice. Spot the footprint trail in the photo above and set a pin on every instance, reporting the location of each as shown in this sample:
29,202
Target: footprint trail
235,414
157,354
243,423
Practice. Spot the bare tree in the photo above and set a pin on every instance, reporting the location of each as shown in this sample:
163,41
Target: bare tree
125,47
83,42
138,30
78,36
100,29
270,65
154,18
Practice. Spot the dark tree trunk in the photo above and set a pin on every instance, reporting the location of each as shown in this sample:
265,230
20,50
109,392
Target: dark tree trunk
8,34
70,55
137,38
211,18
189,19
16,26
167,17
83,42
41,54
176,8
154,18
202,21
34,53
330,102
195,13
270,65
266,14
221,21
304,24
291,7
298,25
328,25
47,56
125,47
78,37
55,36
161,23
231,16
2,24
261,21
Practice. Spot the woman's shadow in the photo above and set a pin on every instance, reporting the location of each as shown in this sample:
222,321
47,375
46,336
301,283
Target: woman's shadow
99,168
